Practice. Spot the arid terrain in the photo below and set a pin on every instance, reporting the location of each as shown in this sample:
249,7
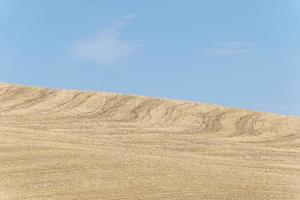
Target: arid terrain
72,145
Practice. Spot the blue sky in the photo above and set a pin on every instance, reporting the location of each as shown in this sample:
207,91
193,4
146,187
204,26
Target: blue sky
235,53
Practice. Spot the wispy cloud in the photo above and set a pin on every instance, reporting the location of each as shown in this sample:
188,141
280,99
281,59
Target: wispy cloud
107,46
228,48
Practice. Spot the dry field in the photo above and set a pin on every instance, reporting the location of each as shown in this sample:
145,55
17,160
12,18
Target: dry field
71,145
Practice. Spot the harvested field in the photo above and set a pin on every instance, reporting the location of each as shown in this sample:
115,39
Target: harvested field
63,144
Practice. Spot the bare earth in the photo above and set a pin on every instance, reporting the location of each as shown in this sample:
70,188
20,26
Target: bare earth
71,145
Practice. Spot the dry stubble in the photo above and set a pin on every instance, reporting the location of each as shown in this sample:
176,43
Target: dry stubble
59,144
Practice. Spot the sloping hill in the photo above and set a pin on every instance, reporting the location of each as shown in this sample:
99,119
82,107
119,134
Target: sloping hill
61,144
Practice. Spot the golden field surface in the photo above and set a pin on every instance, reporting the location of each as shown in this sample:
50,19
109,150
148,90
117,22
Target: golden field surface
72,145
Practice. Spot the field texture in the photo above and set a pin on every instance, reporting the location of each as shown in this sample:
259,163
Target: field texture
72,145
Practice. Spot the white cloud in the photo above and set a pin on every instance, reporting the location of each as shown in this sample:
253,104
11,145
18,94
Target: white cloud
107,46
228,48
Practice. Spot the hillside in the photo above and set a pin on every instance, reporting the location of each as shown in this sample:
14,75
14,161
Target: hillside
63,144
